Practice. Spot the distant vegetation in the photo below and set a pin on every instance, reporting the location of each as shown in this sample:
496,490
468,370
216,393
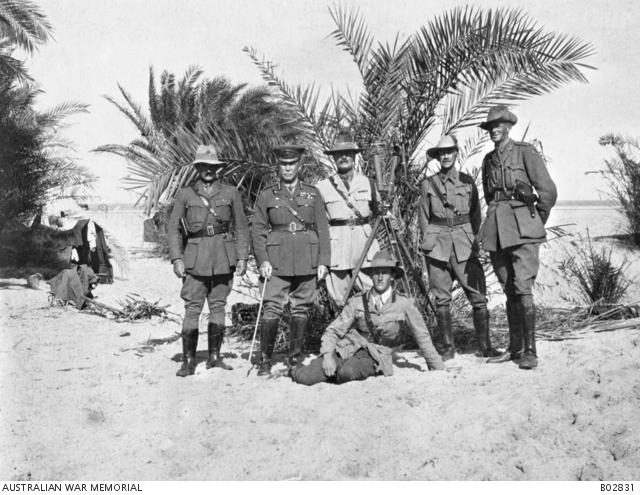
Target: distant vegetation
623,175
34,164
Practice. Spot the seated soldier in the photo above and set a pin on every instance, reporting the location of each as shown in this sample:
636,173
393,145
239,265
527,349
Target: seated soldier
358,343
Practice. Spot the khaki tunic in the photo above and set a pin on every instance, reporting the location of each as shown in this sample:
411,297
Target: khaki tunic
347,242
509,222
210,255
349,332
291,254
440,242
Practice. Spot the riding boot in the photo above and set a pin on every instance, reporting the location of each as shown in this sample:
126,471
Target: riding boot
297,330
447,349
481,326
514,319
215,335
189,346
529,358
268,334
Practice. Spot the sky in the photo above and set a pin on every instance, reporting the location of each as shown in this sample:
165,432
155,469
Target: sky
99,44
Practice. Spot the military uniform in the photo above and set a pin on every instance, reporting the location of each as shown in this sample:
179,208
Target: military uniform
218,236
449,216
291,232
363,349
349,231
513,234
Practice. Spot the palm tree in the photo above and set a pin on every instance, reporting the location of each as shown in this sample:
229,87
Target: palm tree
244,124
442,79
34,156
22,26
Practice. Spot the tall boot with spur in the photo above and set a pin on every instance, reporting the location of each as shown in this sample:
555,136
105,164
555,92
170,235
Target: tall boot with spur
514,319
297,330
215,334
189,346
529,359
443,317
481,326
268,334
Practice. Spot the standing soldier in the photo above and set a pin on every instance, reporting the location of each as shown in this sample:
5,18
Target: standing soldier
449,219
514,227
350,200
217,240
291,242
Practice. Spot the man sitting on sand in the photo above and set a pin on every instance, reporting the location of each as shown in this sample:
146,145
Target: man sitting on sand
358,343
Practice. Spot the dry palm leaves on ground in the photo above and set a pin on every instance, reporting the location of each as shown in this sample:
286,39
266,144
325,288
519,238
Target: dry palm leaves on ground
133,308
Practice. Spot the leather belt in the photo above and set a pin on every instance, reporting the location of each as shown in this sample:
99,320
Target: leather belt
450,221
500,195
293,227
351,222
210,230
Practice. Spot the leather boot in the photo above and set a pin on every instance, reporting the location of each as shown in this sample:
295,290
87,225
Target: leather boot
514,319
189,346
297,330
447,349
529,357
215,334
481,326
268,334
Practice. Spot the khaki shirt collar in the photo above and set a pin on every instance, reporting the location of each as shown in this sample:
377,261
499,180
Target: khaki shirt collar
450,175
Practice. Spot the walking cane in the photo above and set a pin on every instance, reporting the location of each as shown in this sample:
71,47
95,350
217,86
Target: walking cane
255,330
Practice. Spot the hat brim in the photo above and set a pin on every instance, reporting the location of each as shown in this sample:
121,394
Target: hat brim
289,147
434,152
344,150
485,125
289,160
207,162
397,271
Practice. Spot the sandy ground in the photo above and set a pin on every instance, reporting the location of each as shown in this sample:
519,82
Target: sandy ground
81,401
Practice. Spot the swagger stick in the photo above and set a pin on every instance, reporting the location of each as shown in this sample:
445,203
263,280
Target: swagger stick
255,330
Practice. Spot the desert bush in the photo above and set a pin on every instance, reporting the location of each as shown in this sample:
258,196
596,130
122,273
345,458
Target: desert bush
623,176
601,282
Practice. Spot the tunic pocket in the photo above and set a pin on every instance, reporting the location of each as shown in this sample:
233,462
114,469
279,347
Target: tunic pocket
530,228
230,248
196,216
223,209
190,255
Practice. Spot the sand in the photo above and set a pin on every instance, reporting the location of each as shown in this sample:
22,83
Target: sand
81,401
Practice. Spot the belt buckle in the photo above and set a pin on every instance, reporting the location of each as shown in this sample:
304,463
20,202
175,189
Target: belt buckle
293,228
450,221
210,230
351,222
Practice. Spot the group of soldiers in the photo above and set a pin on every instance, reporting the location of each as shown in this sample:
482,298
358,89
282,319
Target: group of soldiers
302,234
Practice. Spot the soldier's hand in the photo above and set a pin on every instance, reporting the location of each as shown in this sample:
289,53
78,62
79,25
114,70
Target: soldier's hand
241,268
323,271
265,270
329,364
178,268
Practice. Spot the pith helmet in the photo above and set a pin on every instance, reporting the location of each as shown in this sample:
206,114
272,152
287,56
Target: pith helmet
499,113
344,144
447,142
206,155
289,153
384,259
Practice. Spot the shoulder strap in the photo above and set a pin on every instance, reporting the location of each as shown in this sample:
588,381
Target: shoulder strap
444,200
367,318
351,206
